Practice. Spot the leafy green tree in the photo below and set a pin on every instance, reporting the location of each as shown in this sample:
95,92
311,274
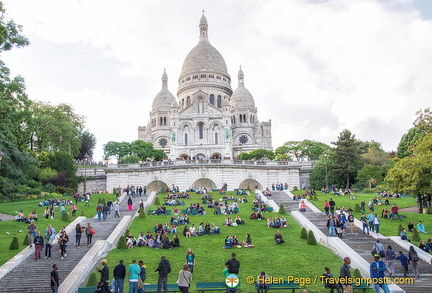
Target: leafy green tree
306,149
57,128
10,33
259,154
423,121
116,149
413,174
407,142
370,174
129,152
346,157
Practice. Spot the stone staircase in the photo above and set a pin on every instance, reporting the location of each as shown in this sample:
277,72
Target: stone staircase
34,276
363,245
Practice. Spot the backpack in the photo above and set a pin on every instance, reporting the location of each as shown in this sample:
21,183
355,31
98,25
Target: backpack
415,257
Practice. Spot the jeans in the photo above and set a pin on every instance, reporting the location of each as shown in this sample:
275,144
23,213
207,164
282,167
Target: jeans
105,215
383,286
118,287
48,250
262,288
133,287
392,216
332,231
54,289
78,238
365,229
99,213
377,228
162,282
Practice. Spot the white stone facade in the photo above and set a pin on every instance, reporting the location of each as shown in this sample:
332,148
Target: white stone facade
207,119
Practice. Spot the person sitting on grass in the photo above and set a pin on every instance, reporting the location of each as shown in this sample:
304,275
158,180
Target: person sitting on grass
421,228
166,244
403,235
278,238
192,230
201,229
215,229
175,242
270,222
207,228
238,220
284,222
423,246
228,242
253,216
234,240
174,229
259,216
129,242
277,223
228,222
248,242
186,232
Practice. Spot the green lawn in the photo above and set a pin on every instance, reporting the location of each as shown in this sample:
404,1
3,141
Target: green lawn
387,227
12,228
293,258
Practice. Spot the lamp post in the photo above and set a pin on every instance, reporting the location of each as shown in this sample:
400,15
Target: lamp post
326,171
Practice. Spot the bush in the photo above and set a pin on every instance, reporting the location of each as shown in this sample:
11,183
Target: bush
399,229
122,243
415,235
103,201
311,238
50,188
357,208
315,197
357,274
157,201
65,216
303,234
14,245
127,232
99,201
282,209
25,242
141,213
295,188
92,281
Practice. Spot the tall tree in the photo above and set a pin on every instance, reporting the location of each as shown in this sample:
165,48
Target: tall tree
10,32
88,143
413,174
306,149
407,142
57,128
346,157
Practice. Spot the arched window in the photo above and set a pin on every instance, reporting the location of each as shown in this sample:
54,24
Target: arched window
188,101
211,99
216,138
165,121
244,118
219,102
160,121
182,106
201,130
185,139
241,118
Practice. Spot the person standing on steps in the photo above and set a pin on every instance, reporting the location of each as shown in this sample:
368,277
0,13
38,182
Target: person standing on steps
130,203
414,258
390,257
55,280
119,275
89,234
164,269
78,233
377,269
117,210
332,206
49,240
31,232
39,244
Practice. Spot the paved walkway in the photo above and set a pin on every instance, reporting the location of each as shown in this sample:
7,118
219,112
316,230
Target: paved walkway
363,244
34,276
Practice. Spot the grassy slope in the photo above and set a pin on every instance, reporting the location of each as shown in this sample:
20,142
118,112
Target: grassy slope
387,227
294,258
13,227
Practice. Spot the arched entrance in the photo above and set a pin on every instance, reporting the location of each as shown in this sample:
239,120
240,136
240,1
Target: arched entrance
250,184
156,186
204,182
184,157
199,156
216,156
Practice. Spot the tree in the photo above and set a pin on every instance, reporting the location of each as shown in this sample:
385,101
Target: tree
10,33
116,149
67,133
370,174
306,149
259,154
413,174
138,148
88,143
346,157
423,121
407,142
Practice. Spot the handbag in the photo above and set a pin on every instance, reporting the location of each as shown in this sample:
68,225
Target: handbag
140,283
92,230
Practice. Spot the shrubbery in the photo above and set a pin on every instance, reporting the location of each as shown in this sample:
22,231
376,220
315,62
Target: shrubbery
311,238
14,245
122,243
303,233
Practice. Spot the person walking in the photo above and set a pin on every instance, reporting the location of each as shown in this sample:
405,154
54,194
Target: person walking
63,241
331,225
31,232
326,207
104,212
38,241
365,228
164,269
78,233
130,203
390,257
119,275
133,275
49,240
184,279
346,275
99,209
351,219
190,259
332,206
55,280
376,223
142,274
117,210
104,280
88,231
404,263
395,212
377,269
414,258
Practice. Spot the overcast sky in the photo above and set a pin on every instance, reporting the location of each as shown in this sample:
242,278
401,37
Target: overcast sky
314,67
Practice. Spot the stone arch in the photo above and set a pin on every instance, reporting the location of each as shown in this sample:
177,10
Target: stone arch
204,182
251,184
184,157
216,156
156,186
200,156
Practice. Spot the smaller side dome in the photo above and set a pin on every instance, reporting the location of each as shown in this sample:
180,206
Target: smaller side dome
242,98
164,99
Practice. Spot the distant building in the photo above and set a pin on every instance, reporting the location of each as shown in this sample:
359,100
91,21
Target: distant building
207,120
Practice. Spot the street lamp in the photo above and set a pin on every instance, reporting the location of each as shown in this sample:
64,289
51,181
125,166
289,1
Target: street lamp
326,171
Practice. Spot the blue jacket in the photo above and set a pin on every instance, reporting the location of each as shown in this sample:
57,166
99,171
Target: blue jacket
403,259
377,269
